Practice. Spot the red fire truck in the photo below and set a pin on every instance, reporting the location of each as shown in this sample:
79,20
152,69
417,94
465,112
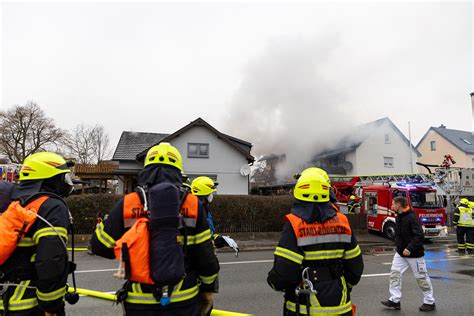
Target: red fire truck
9,172
375,194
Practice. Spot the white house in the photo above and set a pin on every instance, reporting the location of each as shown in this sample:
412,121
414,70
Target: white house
205,151
378,147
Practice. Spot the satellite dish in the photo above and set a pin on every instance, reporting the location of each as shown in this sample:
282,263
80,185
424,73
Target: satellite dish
245,170
347,165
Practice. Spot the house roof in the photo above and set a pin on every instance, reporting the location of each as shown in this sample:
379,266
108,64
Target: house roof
132,143
358,136
462,140
240,145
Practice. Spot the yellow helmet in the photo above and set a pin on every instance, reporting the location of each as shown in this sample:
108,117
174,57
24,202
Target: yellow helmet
352,198
312,187
43,165
165,154
203,186
317,171
464,201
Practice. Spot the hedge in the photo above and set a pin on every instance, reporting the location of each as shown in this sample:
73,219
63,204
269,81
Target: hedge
85,209
232,213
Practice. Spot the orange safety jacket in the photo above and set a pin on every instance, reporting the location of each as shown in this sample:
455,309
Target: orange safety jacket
336,229
133,209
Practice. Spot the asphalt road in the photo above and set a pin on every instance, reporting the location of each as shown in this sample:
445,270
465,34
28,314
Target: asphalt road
244,287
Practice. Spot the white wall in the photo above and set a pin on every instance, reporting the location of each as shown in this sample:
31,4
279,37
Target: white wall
370,154
224,160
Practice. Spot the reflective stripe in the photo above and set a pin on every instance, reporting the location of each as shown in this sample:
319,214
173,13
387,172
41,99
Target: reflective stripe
49,231
51,296
344,291
322,239
320,310
22,305
353,253
189,222
323,254
469,246
209,279
148,298
26,242
16,303
314,301
199,238
461,246
288,254
103,237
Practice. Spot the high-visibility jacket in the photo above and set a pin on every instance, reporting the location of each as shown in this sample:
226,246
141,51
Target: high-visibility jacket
201,264
39,264
327,247
463,217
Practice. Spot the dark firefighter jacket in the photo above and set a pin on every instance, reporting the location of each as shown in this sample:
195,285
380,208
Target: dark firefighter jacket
40,259
409,235
201,264
337,262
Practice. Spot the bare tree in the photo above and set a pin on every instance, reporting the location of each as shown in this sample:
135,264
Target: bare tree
25,130
102,143
88,144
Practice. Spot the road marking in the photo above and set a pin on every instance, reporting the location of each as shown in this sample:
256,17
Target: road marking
239,262
93,271
374,275
222,263
436,260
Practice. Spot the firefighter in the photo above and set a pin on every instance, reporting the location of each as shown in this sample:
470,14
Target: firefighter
194,295
352,205
39,264
204,188
324,174
464,226
317,260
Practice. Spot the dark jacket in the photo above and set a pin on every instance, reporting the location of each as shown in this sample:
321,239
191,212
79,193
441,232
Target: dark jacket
409,235
286,272
201,263
41,259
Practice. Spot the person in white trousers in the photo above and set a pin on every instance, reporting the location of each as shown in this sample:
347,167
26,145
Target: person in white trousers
410,253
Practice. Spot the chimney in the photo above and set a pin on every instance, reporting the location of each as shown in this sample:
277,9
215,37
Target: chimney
442,126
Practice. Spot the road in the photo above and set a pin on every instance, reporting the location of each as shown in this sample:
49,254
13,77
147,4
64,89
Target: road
244,287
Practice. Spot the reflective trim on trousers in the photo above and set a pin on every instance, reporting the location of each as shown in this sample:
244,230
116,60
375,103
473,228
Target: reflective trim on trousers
320,310
148,298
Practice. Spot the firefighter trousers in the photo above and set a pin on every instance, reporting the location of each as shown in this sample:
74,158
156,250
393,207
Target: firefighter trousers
418,267
465,237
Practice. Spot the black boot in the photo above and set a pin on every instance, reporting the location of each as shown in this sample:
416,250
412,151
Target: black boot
390,304
428,307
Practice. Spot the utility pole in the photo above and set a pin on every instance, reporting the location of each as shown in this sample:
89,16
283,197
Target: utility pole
411,151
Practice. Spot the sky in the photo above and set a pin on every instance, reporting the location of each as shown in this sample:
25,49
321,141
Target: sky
283,76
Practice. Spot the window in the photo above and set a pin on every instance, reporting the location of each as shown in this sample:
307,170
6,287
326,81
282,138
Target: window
473,162
387,138
388,162
370,203
197,150
466,141
433,145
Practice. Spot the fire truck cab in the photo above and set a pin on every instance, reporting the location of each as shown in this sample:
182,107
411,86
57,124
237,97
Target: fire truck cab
377,201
